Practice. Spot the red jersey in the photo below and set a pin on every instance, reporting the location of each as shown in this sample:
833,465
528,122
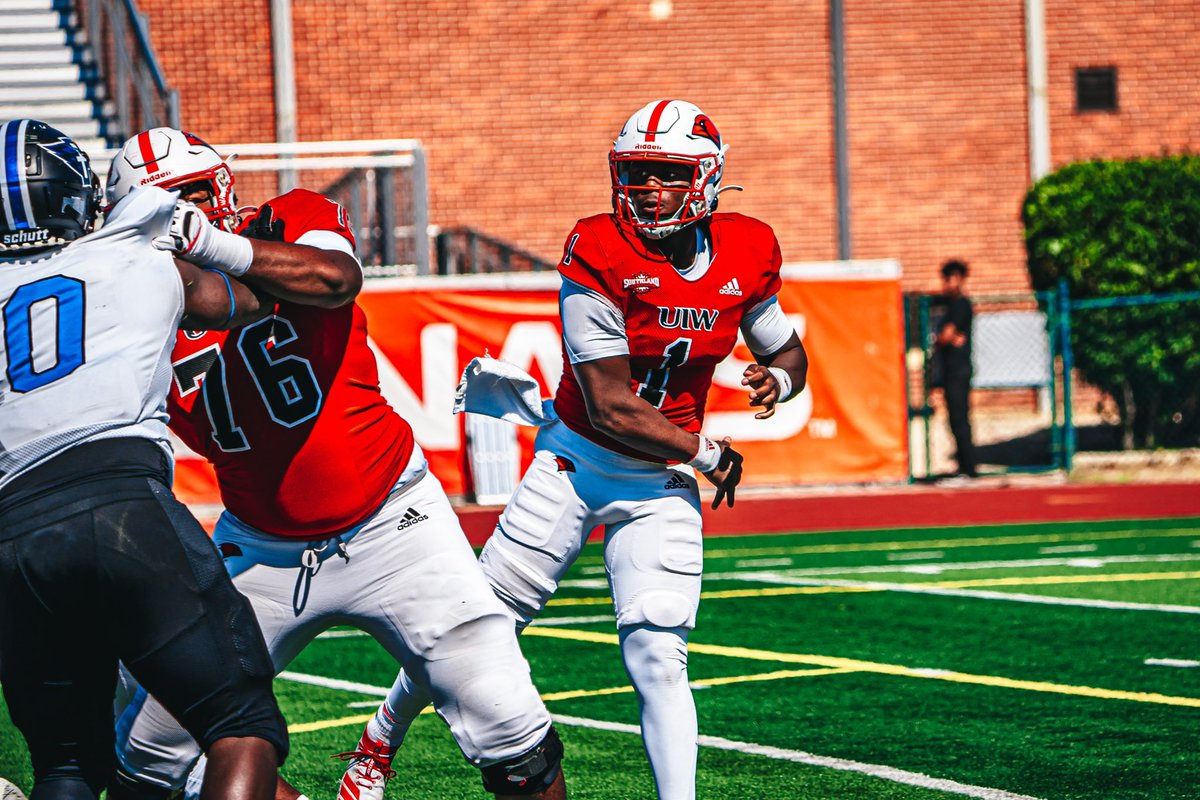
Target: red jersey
678,329
288,409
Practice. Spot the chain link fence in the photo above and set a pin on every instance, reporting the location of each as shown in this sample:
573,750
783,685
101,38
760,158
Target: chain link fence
1053,375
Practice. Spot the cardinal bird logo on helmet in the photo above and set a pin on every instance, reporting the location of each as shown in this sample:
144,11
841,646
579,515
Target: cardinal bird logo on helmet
703,126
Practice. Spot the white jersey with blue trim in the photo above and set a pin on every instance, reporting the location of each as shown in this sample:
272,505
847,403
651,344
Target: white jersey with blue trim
87,337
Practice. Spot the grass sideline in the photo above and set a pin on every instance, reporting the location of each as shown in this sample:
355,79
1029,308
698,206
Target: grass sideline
1010,662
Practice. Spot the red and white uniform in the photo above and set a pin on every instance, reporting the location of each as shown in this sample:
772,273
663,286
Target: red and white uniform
333,519
288,409
678,326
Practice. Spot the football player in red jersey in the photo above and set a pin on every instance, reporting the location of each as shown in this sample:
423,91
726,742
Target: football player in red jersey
331,515
653,298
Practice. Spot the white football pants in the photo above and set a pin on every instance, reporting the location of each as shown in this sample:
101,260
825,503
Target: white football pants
409,578
653,555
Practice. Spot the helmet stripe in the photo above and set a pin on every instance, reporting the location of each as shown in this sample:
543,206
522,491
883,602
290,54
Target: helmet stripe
655,116
17,213
150,161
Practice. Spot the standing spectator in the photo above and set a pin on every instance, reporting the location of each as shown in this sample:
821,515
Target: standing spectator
953,343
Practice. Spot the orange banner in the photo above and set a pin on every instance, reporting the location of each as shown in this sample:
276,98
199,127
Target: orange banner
849,425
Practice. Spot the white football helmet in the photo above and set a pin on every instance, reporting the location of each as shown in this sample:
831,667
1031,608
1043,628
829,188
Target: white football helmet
169,159
676,132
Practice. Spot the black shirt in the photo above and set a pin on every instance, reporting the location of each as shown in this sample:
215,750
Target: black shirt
959,313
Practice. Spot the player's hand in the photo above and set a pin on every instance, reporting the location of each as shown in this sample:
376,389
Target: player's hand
264,226
188,225
727,475
764,389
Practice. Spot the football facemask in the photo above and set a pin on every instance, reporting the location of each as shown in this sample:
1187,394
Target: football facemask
661,135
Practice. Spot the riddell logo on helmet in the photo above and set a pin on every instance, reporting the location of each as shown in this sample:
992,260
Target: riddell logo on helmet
27,237
157,176
643,146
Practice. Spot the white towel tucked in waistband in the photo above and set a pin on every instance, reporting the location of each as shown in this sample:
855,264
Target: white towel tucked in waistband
498,389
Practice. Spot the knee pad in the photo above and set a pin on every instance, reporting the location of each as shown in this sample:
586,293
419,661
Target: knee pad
529,773
662,608
655,657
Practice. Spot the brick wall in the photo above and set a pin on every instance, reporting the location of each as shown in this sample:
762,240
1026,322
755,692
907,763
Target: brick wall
518,102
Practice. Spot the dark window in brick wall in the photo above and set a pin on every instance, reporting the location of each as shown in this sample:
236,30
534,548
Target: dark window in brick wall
1095,89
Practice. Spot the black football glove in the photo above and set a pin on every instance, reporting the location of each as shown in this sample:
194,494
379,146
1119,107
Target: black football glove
732,460
264,226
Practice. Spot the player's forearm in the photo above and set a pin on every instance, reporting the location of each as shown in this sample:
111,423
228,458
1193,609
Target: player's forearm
303,274
637,424
216,301
792,359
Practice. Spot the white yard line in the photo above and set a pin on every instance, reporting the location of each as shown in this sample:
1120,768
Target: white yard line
873,770
879,771
334,683
1171,662
553,621
917,555
788,580
1069,548
759,563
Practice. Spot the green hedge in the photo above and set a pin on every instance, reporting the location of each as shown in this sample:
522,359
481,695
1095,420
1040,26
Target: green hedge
1113,228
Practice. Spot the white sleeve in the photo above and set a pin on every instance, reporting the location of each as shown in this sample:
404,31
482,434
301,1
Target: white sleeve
327,240
592,326
766,328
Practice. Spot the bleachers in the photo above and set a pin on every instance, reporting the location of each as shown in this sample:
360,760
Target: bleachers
45,73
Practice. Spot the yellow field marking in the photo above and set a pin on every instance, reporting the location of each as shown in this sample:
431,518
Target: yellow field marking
307,727
935,544
1043,580
362,719
886,669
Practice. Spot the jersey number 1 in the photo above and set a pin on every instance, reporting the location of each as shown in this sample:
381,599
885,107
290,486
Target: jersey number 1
654,389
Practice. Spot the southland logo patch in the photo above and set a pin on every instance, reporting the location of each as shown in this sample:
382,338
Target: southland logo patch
687,319
411,517
640,283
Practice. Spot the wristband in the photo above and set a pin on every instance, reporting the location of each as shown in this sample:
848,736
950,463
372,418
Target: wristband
221,250
707,456
228,288
785,383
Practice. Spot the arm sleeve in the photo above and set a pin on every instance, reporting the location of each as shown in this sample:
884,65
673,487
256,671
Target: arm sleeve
327,240
766,328
592,326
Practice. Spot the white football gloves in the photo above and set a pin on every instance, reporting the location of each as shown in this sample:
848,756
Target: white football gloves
193,238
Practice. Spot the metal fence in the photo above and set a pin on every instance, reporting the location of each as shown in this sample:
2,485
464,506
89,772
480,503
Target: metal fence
1144,353
380,183
1016,408
1053,375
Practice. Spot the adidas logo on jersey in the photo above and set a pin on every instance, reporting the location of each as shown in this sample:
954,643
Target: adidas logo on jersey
411,517
731,288
677,481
